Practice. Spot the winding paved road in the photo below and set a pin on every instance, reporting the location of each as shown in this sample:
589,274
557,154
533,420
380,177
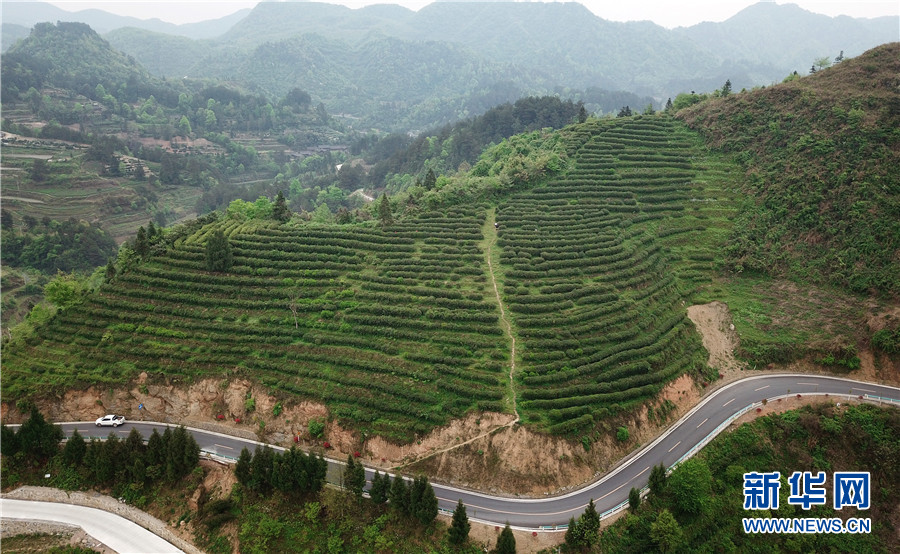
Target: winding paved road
112,530
693,430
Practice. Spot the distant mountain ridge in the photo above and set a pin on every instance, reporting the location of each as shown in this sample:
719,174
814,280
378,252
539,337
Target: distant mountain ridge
449,60
26,14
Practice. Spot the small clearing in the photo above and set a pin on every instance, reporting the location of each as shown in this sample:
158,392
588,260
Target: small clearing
713,321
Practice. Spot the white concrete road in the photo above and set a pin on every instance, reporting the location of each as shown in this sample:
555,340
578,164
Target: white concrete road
114,531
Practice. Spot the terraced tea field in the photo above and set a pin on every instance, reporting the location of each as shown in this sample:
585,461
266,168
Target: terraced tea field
394,330
595,275
398,330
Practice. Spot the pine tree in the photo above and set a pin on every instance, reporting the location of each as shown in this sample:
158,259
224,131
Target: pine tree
582,113
218,252
152,231
430,180
9,442
134,446
242,468
91,457
427,508
399,495
506,542
75,449
280,211
138,471
110,271
354,477
666,532
155,454
669,105
416,490
261,470
573,537
191,453
319,469
589,525
38,437
175,454
385,216
726,88
108,459
657,480
381,486
282,476
634,499
459,526
141,244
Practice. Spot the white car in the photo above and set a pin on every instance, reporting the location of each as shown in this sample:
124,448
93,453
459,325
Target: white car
110,421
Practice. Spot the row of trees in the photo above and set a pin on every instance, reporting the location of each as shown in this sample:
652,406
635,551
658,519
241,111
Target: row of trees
172,455
292,472
168,456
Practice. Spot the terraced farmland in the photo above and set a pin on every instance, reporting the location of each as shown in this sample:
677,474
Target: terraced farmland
594,277
394,330
397,330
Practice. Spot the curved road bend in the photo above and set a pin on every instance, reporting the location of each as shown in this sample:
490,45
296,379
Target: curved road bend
114,531
610,491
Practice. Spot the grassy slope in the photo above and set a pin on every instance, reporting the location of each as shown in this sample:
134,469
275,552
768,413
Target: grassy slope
822,170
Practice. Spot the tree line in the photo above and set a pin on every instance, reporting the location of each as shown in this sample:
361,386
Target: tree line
130,465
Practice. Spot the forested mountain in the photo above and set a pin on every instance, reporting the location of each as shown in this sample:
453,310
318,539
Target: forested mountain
451,60
399,156
787,37
85,63
823,164
11,33
162,54
391,83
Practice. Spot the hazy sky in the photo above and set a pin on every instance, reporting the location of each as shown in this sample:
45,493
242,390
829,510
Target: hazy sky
663,12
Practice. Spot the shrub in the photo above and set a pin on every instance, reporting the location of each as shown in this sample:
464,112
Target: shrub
622,434
316,428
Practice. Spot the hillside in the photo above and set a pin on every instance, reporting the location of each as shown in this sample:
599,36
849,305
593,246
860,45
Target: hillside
162,54
85,63
391,83
822,160
550,281
397,329
705,497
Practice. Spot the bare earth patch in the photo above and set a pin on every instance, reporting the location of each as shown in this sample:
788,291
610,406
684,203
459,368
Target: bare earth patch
713,321
518,461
